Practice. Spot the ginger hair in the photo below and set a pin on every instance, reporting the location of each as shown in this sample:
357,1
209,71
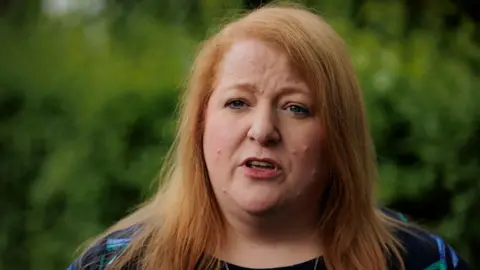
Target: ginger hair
182,225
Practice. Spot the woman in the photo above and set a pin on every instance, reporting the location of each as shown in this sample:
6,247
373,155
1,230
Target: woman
273,166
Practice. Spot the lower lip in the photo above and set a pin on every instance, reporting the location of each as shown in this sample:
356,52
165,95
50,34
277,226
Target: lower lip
260,173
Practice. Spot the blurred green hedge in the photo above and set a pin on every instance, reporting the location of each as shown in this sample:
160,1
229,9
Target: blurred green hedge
87,111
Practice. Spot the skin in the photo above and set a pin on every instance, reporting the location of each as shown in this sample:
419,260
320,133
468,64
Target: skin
261,107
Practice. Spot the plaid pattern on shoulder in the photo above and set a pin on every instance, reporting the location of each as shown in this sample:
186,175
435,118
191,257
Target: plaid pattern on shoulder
105,251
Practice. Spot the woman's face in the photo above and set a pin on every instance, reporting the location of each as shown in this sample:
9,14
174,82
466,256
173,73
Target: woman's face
262,138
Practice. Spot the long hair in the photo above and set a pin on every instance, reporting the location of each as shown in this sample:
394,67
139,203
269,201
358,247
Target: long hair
182,225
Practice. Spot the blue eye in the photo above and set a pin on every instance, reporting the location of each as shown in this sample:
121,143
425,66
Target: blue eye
298,110
236,104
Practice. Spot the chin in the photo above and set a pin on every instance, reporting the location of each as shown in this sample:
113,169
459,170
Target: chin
260,207
260,213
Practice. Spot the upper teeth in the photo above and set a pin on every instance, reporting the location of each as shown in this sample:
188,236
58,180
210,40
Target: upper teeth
261,163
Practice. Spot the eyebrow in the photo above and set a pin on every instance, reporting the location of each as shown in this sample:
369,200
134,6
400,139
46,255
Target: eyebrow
291,88
243,86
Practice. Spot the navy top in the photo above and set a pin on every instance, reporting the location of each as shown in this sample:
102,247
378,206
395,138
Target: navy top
424,251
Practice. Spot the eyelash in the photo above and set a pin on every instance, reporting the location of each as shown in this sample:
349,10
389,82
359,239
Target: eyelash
230,103
302,111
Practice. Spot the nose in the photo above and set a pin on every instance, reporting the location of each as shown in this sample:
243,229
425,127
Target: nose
263,128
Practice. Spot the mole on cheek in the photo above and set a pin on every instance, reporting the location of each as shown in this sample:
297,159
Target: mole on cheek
298,194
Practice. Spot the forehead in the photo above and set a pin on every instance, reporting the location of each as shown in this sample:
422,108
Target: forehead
254,59
248,50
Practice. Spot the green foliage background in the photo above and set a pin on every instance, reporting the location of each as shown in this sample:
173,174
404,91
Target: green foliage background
87,111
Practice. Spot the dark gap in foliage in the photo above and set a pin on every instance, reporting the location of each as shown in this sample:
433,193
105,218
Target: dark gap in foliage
53,106
253,4
469,7
139,135
395,145
142,132
432,206
357,16
17,173
469,151
54,209
414,10
471,226
12,101
119,197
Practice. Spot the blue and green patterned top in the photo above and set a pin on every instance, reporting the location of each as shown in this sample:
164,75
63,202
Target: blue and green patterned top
424,251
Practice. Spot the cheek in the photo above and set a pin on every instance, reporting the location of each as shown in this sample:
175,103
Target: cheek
217,138
219,147
309,155
309,171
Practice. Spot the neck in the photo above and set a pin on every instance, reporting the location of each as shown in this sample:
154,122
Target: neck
273,240
273,229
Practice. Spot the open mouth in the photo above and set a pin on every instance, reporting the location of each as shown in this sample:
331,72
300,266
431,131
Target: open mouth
261,165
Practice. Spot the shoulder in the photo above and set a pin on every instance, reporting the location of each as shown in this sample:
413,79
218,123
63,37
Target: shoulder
104,252
424,250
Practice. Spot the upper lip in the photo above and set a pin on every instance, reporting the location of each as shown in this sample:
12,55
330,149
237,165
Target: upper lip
269,160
